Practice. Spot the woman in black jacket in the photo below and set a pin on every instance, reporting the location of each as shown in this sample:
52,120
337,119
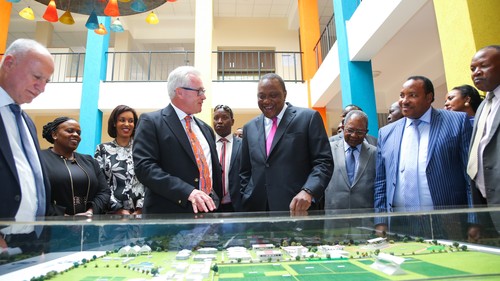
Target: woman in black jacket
78,184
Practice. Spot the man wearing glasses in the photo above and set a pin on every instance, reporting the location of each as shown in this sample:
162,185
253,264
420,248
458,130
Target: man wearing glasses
351,186
174,153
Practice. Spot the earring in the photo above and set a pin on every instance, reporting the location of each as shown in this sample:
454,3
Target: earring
466,104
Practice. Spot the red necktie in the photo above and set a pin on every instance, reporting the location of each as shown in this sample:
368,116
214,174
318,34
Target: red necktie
201,161
270,137
223,164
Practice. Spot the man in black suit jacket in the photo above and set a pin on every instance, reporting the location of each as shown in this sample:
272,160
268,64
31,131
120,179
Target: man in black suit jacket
25,69
164,160
223,121
299,164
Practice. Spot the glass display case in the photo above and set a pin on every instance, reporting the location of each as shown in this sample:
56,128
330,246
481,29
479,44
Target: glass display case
324,245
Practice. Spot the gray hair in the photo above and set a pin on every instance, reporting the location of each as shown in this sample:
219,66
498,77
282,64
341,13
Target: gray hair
180,77
355,113
20,47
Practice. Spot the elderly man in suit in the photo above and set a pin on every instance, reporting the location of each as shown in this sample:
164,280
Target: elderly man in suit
422,158
174,153
286,162
25,69
351,186
484,158
229,149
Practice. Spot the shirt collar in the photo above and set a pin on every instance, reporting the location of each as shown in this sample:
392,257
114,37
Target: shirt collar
5,98
346,146
229,138
280,115
426,118
181,114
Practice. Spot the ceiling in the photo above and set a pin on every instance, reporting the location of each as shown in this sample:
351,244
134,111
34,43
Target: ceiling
74,36
414,50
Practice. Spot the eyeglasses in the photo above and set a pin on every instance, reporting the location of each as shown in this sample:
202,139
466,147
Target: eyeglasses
357,132
200,91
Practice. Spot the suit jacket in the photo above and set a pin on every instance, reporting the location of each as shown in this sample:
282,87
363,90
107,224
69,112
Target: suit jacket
369,139
164,162
234,175
300,157
449,139
11,188
491,161
340,194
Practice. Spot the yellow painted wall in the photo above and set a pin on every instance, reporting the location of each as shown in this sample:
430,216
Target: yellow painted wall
464,27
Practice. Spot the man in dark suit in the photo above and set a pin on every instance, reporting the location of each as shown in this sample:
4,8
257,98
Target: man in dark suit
350,107
352,189
177,180
286,162
438,139
485,145
25,69
229,150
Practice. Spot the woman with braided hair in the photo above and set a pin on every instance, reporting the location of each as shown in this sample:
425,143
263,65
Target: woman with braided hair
78,184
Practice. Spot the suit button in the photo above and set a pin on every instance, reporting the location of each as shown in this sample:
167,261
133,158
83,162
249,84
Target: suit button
196,180
17,198
180,201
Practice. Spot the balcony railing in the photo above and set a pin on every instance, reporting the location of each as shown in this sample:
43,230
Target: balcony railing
68,67
251,65
145,66
229,66
326,41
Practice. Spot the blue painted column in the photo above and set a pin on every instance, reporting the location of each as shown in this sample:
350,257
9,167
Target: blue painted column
94,71
356,78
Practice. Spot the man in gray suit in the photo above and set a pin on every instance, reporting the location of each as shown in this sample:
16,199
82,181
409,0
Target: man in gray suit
484,157
342,192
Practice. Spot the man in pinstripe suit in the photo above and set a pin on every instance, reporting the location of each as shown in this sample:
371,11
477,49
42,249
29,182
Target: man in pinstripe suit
444,138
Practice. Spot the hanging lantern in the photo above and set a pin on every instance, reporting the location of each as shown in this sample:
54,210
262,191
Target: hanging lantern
117,26
92,22
112,9
152,18
27,13
51,12
67,18
138,6
101,30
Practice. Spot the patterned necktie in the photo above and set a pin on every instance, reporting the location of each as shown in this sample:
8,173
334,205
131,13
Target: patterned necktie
270,137
351,163
481,124
410,175
201,161
31,156
225,197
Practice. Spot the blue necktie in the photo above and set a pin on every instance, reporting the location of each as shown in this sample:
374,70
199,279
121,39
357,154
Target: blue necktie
410,175
350,161
31,156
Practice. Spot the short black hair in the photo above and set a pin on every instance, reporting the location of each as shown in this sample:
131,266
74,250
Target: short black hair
113,119
428,86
